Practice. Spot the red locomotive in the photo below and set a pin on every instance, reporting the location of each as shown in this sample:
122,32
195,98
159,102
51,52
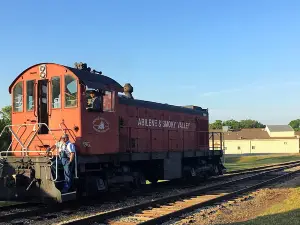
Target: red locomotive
126,141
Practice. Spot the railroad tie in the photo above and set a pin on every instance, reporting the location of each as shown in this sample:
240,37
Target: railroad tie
122,223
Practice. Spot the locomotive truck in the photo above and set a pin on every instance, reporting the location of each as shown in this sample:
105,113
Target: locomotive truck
125,142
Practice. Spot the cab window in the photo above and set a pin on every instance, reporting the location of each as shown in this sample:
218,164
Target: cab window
70,91
30,95
18,97
99,101
108,101
56,99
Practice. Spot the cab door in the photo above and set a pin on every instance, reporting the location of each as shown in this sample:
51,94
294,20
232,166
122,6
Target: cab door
42,106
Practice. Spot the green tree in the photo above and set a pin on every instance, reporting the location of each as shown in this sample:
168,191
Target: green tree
236,125
217,125
295,124
233,124
6,114
5,137
250,124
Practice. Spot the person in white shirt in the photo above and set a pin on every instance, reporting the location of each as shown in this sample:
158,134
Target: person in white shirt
66,151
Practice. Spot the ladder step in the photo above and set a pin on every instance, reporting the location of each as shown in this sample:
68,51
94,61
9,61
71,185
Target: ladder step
68,196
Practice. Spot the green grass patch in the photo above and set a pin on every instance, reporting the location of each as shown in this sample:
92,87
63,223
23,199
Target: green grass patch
4,203
284,213
249,161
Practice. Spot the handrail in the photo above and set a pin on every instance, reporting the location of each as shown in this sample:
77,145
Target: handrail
49,96
66,129
25,146
12,139
35,108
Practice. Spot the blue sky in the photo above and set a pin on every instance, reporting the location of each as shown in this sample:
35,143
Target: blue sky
238,58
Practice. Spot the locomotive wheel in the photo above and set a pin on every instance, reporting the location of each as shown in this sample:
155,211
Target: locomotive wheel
138,181
220,170
216,170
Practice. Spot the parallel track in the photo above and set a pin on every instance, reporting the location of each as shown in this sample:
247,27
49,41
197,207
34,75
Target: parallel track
262,167
31,210
159,211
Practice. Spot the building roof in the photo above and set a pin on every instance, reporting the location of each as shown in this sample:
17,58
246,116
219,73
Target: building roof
279,128
253,133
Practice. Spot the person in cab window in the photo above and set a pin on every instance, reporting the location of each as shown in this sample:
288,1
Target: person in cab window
95,103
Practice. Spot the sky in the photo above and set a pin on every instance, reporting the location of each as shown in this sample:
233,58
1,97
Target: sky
239,59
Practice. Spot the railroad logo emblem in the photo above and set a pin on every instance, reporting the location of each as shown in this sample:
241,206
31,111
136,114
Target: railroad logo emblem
100,125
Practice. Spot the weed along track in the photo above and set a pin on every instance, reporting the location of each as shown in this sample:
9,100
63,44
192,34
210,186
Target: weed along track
161,210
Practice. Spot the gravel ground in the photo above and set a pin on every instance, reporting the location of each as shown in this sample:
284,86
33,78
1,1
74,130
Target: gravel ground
243,208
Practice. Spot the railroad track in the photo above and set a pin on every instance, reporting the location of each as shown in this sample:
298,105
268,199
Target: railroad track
161,210
17,206
262,167
30,211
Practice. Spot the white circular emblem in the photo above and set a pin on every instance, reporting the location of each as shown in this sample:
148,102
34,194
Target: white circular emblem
100,125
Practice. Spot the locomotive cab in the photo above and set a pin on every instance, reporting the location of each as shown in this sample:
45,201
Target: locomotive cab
49,100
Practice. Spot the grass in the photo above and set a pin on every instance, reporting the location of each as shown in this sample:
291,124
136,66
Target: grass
284,213
251,161
3,203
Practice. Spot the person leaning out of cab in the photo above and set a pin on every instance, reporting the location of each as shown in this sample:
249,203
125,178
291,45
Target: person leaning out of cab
94,103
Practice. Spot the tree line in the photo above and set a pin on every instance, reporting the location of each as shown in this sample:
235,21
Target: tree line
5,119
236,125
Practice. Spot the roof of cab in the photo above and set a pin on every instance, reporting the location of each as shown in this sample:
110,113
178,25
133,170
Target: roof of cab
92,80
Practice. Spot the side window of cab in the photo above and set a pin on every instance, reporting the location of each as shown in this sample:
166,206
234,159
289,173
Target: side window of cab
70,89
108,103
18,97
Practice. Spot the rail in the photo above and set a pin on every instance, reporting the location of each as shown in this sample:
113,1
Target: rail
23,144
66,129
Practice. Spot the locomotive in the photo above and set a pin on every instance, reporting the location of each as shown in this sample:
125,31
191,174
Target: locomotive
126,142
